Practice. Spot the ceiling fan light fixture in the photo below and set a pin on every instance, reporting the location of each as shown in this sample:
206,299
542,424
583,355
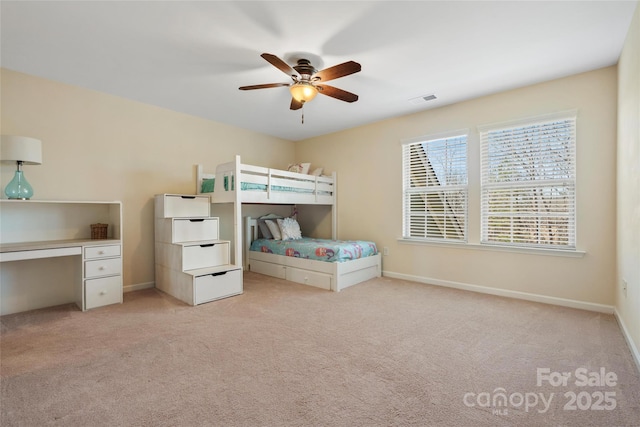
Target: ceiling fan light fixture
303,91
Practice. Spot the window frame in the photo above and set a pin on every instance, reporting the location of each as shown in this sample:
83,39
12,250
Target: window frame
406,223
567,183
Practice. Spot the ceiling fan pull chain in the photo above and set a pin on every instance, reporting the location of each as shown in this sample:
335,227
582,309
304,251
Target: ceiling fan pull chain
302,111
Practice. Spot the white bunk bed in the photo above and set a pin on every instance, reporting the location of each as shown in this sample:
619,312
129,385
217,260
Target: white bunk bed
238,183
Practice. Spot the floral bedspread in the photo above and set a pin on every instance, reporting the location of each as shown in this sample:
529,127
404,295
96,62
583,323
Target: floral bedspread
317,249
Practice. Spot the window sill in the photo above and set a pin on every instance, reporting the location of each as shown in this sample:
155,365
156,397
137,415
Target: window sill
571,253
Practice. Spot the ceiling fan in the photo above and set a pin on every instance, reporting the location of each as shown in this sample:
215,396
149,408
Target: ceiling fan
308,82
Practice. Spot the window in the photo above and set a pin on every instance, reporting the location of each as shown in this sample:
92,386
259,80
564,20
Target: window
435,189
528,183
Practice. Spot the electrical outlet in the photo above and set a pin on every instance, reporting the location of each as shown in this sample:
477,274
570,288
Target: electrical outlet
624,288
385,251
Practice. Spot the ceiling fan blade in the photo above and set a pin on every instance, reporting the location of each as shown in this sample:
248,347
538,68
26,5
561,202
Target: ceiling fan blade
340,94
279,64
337,71
295,105
264,86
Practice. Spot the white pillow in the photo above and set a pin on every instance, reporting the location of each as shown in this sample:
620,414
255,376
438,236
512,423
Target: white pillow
299,168
274,229
317,171
289,229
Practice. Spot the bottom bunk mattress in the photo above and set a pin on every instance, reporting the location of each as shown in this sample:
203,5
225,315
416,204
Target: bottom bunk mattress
317,249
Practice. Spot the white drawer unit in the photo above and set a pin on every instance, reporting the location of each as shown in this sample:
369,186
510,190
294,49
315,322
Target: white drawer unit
182,206
102,267
195,229
192,264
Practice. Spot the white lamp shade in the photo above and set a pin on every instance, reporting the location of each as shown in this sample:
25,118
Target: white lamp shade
21,148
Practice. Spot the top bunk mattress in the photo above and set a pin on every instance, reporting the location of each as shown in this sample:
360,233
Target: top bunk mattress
317,249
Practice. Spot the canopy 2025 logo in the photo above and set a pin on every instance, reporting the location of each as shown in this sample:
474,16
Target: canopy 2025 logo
588,399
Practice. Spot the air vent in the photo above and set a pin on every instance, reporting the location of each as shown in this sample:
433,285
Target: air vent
422,99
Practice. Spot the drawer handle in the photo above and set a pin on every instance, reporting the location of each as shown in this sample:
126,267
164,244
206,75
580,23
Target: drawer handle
197,220
103,292
101,267
222,273
188,197
100,252
207,245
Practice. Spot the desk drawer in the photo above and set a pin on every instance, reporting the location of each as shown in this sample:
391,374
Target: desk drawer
218,285
176,206
101,251
205,255
102,267
191,230
105,291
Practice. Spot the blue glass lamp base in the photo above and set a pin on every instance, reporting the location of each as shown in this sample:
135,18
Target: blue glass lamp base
19,188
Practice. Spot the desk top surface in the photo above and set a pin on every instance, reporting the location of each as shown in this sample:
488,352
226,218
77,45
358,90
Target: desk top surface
54,244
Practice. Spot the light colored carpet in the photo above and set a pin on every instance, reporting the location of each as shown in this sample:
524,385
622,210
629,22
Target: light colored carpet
382,353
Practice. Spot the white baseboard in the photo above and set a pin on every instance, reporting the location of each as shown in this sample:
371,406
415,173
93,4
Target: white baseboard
583,305
138,286
632,346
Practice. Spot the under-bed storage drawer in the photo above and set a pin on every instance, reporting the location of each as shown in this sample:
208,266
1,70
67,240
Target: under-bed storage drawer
307,277
274,270
205,255
190,230
180,206
104,291
218,285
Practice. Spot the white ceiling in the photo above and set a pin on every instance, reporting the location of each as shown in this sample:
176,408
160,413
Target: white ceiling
192,56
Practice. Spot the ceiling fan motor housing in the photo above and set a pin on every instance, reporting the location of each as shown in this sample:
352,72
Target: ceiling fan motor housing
305,69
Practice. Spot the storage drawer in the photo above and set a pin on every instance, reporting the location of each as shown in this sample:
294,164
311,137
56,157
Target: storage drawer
102,267
274,270
105,291
218,285
190,230
307,277
205,255
177,206
101,251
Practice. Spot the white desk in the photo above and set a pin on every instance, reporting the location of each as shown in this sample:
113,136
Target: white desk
46,230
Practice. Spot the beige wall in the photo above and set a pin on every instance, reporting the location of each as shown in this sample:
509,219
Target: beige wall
368,162
628,307
102,147
97,146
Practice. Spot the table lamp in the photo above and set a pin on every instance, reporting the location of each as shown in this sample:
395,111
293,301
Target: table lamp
22,150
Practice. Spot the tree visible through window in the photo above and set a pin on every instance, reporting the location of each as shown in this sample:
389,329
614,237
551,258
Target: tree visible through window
435,189
528,183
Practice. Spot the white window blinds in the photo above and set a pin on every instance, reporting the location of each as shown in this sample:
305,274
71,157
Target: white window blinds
528,183
435,189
